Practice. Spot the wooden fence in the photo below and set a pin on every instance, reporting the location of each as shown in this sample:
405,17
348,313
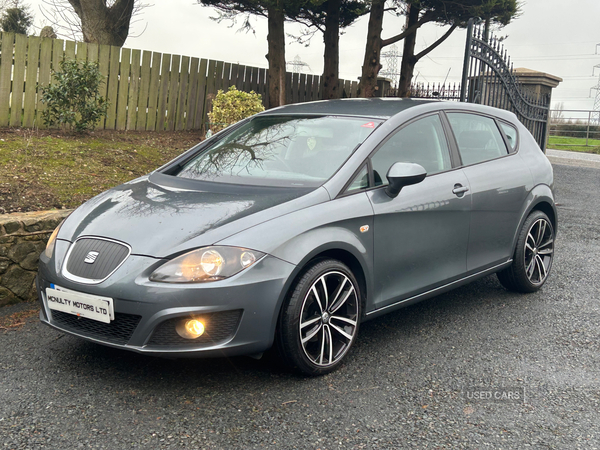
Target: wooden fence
145,90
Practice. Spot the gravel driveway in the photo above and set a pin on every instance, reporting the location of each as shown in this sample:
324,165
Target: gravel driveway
412,381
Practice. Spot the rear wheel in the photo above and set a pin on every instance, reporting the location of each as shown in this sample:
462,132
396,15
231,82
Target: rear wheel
320,318
533,255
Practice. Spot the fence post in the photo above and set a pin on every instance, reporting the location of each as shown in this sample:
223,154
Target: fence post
466,62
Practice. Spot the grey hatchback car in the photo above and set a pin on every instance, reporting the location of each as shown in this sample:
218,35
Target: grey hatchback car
293,226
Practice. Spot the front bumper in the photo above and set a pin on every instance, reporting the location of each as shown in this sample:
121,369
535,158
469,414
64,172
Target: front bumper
241,312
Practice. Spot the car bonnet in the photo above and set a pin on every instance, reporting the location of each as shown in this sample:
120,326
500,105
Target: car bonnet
160,221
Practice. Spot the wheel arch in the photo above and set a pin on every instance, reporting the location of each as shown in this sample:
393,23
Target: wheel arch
541,198
547,208
349,259
352,255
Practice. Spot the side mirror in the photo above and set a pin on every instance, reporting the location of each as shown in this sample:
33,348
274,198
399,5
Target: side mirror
403,174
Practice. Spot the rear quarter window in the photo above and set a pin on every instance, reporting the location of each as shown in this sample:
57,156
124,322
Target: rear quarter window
511,135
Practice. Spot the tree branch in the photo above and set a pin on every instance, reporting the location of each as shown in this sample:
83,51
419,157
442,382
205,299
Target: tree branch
436,43
122,8
423,20
76,4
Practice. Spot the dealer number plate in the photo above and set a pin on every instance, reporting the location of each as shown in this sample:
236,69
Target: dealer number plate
92,307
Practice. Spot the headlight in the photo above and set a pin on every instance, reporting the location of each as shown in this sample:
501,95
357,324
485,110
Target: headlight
206,264
52,241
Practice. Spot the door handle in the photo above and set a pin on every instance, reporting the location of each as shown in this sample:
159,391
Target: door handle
459,189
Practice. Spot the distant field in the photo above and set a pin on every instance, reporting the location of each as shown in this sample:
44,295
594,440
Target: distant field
574,144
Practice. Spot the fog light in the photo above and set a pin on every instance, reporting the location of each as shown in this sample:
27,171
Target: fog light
190,328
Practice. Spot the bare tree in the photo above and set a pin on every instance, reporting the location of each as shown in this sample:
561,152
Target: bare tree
557,115
96,21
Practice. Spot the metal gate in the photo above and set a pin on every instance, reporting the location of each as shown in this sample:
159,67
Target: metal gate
489,79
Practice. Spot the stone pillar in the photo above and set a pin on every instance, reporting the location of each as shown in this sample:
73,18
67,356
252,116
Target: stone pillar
23,237
538,85
383,86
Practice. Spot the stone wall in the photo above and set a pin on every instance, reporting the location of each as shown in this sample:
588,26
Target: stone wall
23,237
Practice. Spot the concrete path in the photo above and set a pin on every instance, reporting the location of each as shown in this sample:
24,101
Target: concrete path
568,158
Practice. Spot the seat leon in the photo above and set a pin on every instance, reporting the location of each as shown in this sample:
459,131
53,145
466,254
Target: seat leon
293,226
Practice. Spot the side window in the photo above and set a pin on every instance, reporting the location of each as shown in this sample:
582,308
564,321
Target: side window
478,137
511,134
361,180
422,142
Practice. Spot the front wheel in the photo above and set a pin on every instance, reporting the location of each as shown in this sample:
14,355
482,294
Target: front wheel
533,255
320,318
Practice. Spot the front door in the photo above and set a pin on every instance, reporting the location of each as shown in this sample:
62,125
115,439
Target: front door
421,236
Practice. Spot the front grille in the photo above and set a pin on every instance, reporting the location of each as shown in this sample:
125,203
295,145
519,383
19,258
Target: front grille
110,255
118,331
219,327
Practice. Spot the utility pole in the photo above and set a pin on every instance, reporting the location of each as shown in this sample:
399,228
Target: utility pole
390,64
297,65
595,115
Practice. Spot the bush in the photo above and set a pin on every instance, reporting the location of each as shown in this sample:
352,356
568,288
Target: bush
17,19
73,98
232,106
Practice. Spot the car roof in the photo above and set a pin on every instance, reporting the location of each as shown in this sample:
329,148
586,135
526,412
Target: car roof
383,108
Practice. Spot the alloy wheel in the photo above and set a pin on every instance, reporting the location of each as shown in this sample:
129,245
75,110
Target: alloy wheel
329,318
539,250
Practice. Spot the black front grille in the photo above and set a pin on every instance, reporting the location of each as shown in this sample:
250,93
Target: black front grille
219,327
118,331
109,255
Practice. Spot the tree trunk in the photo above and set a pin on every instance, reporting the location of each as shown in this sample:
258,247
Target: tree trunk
276,56
331,37
101,24
409,60
371,64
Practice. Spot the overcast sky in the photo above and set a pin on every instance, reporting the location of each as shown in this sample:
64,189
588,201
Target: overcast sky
548,37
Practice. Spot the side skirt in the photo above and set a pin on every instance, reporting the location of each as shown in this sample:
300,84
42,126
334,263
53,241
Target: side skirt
433,292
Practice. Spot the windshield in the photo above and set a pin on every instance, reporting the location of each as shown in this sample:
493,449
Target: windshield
280,151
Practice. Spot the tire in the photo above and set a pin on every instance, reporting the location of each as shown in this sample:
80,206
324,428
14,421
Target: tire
320,318
532,260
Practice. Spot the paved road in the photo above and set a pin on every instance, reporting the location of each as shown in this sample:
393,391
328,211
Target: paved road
407,383
564,157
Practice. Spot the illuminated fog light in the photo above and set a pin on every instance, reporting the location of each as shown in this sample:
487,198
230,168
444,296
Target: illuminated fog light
190,328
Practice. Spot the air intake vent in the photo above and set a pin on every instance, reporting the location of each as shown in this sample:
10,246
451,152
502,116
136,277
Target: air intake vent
92,260
117,332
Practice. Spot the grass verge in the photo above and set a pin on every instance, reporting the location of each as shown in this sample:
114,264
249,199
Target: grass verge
47,169
574,144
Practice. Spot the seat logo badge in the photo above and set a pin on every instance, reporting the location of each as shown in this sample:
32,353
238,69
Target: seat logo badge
364,228
90,258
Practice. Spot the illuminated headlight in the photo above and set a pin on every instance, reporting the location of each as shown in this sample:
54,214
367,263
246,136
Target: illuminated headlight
206,264
52,241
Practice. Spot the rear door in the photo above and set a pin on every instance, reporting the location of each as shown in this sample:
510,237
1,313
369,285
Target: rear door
499,183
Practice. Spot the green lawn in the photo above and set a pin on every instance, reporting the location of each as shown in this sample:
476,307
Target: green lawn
50,169
574,144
